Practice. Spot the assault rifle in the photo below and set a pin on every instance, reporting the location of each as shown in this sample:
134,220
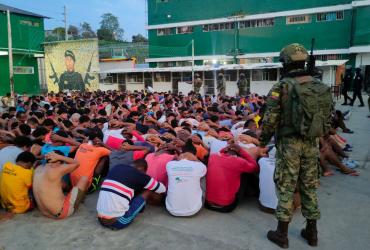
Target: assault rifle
54,75
311,60
87,76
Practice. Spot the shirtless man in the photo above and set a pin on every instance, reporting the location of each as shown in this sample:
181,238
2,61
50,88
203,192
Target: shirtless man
47,187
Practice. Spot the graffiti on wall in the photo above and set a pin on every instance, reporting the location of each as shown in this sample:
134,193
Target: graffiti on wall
72,65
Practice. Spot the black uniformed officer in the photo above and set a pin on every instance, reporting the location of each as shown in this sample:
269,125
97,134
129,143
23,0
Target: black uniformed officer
357,87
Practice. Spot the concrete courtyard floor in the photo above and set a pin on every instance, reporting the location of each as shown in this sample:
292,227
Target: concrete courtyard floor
344,203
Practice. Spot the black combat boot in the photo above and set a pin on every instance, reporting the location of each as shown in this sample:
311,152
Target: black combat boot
280,236
310,233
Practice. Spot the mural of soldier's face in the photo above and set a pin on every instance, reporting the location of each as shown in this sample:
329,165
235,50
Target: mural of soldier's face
70,64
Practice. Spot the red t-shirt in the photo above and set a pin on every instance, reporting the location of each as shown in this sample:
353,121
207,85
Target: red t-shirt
223,176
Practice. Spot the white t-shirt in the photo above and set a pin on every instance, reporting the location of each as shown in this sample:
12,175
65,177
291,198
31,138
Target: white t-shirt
9,154
184,193
216,145
268,196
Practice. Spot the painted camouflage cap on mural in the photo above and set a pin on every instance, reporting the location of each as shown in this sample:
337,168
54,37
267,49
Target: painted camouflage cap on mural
70,54
294,52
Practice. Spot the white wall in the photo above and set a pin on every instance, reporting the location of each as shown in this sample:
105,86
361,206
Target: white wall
261,87
231,88
328,76
362,59
115,65
105,87
162,86
134,86
185,88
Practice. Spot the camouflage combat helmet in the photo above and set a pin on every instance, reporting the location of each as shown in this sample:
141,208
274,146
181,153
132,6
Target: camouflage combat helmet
294,52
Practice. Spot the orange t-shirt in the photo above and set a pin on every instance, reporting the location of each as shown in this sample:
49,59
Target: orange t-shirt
201,151
88,156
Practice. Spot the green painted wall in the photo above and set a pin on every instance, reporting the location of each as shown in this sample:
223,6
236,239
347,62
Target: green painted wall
26,40
329,35
361,26
190,10
24,36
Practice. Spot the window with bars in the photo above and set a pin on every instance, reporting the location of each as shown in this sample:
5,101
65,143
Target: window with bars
162,77
165,32
184,30
218,26
135,77
298,19
329,57
30,23
268,22
264,75
23,70
330,16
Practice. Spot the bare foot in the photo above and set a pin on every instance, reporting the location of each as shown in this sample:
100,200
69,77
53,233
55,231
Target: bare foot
328,173
4,216
350,172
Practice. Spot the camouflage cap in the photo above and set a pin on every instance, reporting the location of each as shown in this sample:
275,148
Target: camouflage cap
70,54
293,53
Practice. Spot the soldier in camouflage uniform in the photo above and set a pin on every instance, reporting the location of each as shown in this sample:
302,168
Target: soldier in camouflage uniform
297,156
197,83
221,84
242,85
70,79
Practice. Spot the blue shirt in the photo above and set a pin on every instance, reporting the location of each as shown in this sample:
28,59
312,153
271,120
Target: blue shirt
47,148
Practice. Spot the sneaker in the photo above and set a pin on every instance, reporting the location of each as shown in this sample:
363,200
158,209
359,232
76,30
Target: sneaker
346,115
346,149
361,105
348,131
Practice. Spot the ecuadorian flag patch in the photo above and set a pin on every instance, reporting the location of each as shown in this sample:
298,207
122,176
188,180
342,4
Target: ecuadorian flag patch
275,94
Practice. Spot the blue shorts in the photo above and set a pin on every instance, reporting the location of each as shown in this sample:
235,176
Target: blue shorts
136,206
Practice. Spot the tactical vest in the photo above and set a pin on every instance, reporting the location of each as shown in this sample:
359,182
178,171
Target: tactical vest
306,105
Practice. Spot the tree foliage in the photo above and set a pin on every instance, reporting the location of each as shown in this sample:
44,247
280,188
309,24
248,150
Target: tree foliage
139,38
73,32
110,29
87,31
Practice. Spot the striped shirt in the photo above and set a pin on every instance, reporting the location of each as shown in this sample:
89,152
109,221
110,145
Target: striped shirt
120,187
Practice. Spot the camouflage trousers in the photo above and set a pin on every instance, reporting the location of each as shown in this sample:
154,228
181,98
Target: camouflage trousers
221,90
297,167
242,91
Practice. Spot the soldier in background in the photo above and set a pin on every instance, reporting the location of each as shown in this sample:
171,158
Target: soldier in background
242,85
297,153
358,80
70,79
197,83
346,84
221,84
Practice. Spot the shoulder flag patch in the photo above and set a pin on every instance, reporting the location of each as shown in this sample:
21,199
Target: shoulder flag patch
275,94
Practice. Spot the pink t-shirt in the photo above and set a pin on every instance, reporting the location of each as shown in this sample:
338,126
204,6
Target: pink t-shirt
157,166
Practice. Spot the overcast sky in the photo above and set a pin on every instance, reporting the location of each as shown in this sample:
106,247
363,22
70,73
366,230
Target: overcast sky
131,13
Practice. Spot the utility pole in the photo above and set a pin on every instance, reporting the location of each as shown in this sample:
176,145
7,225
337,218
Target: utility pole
10,54
65,23
192,61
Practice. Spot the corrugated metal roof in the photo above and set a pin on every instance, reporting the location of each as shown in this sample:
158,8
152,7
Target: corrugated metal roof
4,7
